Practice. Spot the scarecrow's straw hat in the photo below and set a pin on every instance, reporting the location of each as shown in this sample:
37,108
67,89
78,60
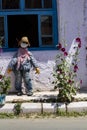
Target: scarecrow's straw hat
24,39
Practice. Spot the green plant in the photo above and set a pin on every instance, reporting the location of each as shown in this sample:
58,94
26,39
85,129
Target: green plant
65,73
17,108
4,83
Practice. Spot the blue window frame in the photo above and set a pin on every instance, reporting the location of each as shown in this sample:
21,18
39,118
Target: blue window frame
36,19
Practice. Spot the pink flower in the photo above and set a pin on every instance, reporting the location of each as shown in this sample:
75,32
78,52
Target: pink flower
70,81
79,45
79,41
0,76
65,53
63,49
75,68
59,46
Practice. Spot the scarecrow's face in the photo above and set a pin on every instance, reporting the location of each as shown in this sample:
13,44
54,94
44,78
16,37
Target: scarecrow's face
24,44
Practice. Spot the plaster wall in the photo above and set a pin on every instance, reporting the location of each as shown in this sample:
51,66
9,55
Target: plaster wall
72,23
46,63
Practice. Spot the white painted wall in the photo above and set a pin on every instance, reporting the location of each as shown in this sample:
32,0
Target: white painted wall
72,21
46,62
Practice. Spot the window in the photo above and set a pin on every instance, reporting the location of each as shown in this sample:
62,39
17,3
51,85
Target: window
38,4
10,4
47,3
2,31
28,25
33,4
36,19
46,30
24,25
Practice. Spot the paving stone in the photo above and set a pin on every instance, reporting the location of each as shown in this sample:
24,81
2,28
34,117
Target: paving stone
31,107
7,108
28,107
77,106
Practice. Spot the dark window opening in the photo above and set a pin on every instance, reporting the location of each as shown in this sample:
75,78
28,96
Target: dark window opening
47,3
47,41
46,30
46,25
22,25
33,4
2,34
10,4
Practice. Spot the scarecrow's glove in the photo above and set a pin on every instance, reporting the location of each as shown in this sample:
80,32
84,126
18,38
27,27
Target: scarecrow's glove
9,70
37,71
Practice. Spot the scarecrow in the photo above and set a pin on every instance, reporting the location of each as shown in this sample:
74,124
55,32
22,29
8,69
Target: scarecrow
21,65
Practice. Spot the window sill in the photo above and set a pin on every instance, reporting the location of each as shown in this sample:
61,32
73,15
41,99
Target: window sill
31,49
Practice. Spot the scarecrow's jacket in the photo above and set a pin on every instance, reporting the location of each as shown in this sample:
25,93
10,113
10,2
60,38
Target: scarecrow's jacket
25,66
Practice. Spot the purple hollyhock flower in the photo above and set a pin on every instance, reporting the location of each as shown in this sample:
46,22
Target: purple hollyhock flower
79,41
70,81
65,53
75,68
59,45
79,45
63,49
0,76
